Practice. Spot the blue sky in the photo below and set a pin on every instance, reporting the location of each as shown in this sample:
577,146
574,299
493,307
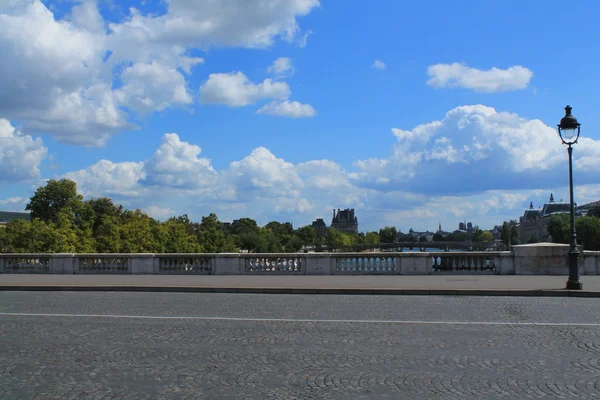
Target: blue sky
409,112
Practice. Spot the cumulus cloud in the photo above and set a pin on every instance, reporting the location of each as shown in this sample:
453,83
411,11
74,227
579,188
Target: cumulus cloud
378,64
236,90
76,77
492,80
206,24
153,87
292,109
106,178
176,164
20,155
474,149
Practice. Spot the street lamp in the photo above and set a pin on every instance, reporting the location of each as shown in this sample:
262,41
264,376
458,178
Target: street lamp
569,129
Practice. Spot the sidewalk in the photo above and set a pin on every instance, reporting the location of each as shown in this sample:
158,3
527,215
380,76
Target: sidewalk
479,285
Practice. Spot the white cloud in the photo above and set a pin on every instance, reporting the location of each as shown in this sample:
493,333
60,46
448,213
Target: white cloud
474,149
236,90
20,155
153,87
176,164
205,24
106,178
292,109
492,80
281,66
87,16
159,213
64,76
378,64
14,204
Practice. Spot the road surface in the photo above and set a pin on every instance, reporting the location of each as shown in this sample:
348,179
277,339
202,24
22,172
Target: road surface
95,345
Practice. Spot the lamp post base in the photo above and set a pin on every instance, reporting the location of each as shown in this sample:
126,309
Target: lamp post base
574,285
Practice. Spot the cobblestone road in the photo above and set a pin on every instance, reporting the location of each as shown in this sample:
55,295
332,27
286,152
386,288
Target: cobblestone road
251,353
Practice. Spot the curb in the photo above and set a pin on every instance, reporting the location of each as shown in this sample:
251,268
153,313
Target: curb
324,291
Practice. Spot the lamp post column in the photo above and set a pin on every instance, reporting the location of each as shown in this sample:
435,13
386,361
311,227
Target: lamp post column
573,283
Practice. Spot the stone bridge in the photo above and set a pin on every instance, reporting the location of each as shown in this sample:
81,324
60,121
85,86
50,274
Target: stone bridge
531,259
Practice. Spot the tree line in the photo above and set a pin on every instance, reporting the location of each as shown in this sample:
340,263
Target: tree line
63,222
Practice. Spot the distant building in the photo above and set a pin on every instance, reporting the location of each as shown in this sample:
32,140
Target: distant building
7,216
345,221
466,227
534,223
319,225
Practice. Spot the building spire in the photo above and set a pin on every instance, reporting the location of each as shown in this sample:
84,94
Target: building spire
531,205
551,198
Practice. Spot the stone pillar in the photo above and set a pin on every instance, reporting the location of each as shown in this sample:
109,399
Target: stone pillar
414,263
543,259
227,264
61,264
591,265
318,264
141,264
505,263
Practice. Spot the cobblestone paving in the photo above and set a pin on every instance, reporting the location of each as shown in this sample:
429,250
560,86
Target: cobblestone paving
124,358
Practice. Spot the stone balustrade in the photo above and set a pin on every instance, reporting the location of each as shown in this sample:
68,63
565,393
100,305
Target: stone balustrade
531,259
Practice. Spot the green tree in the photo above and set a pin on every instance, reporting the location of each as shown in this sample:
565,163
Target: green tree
335,238
514,235
388,234
107,235
268,242
20,236
372,238
244,226
294,245
56,196
485,237
505,234
308,235
178,239
559,228
438,237
212,236
136,233
588,232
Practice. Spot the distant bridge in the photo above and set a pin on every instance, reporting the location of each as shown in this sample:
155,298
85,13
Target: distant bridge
415,246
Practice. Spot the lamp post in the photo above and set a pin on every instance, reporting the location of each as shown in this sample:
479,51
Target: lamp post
569,129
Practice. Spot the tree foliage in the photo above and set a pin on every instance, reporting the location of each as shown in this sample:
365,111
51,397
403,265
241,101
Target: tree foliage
558,228
388,234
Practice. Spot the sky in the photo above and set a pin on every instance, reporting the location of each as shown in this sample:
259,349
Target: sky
412,113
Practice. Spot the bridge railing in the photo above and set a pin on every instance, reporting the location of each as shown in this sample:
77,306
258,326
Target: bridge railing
543,259
468,263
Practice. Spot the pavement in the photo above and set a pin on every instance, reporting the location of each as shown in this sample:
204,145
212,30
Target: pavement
481,285
129,345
